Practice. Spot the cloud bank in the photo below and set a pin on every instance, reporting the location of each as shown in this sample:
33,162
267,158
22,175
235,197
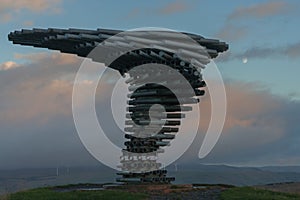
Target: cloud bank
260,129
290,51
37,128
235,27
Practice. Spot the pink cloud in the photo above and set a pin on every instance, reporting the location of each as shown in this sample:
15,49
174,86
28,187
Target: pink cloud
9,8
261,10
174,7
57,58
245,107
28,23
31,5
41,88
8,65
234,29
33,102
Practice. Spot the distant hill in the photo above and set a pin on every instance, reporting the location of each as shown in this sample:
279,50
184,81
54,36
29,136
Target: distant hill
15,180
295,169
240,176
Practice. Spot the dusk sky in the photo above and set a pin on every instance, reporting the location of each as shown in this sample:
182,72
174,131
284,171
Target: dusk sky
261,73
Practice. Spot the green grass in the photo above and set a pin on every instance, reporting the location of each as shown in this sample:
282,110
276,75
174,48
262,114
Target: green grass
249,193
49,194
231,193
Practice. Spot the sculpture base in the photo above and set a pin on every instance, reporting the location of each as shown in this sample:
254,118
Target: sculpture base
153,177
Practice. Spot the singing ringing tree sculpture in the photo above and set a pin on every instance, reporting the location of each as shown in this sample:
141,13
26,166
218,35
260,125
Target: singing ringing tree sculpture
157,100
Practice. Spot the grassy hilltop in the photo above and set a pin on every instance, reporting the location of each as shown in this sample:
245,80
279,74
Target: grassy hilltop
221,192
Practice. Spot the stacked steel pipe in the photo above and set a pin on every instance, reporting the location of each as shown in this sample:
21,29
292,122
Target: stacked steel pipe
149,128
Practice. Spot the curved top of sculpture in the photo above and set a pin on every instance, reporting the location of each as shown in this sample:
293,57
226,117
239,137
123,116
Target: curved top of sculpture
81,42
